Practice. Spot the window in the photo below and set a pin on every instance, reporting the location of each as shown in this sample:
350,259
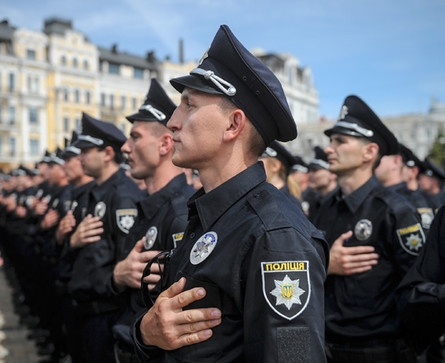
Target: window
63,60
134,103
34,148
31,54
112,102
66,95
75,62
113,68
76,96
33,84
86,65
12,148
87,97
33,115
11,115
123,101
138,73
11,82
102,99
77,124
66,124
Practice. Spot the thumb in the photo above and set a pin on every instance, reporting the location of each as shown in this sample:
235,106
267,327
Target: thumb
139,246
345,236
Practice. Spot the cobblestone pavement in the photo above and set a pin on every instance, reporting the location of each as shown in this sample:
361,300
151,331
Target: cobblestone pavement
14,346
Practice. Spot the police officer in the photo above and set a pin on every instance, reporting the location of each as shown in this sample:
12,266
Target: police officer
110,215
162,213
421,295
431,180
361,318
390,174
277,161
246,282
321,180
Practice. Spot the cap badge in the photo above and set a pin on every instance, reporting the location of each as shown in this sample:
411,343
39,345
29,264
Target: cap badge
203,247
100,209
343,112
363,229
150,237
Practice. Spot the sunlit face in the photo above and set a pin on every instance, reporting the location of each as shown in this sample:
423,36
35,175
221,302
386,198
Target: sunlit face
142,148
198,126
92,161
345,153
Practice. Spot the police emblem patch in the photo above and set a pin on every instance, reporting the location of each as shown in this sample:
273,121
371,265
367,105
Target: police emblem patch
363,229
411,238
55,203
125,219
286,287
203,247
100,209
427,216
74,205
150,237
177,237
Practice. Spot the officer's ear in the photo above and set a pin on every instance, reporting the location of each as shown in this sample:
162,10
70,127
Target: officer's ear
371,152
109,153
166,144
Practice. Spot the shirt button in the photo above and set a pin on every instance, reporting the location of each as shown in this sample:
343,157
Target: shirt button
192,235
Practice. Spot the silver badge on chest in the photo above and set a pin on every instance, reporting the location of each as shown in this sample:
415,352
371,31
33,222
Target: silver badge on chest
150,237
363,229
203,247
100,209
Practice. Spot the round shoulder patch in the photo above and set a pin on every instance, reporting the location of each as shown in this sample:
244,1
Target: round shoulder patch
203,247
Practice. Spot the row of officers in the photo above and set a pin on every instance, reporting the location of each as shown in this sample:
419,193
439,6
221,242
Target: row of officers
210,242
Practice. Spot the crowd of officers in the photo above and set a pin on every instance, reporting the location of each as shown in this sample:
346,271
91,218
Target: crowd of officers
78,230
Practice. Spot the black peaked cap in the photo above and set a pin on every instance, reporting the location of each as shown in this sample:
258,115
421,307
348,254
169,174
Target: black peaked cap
359,120
228,68
156,107
320,159
97,133
278,151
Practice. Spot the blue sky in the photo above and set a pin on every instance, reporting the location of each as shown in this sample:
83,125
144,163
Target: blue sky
389,52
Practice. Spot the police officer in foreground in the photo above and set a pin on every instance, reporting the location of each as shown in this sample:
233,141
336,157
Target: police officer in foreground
100,237
162,213
375,236
246,282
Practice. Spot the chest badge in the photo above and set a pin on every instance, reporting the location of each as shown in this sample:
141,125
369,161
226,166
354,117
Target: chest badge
100,209
203,247
363,229
150,237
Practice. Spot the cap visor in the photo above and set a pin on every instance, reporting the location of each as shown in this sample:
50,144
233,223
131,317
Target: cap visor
193,82
139,116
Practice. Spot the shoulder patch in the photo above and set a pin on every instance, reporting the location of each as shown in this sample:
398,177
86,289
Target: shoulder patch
177,237
411,238
286,287
125,219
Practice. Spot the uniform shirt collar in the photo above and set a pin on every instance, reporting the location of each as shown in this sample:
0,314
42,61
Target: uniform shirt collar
210,206
356,198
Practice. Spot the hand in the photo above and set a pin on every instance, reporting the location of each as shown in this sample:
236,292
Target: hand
41,208
128,272
350,260
66,225
88,231
168,327
50,219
